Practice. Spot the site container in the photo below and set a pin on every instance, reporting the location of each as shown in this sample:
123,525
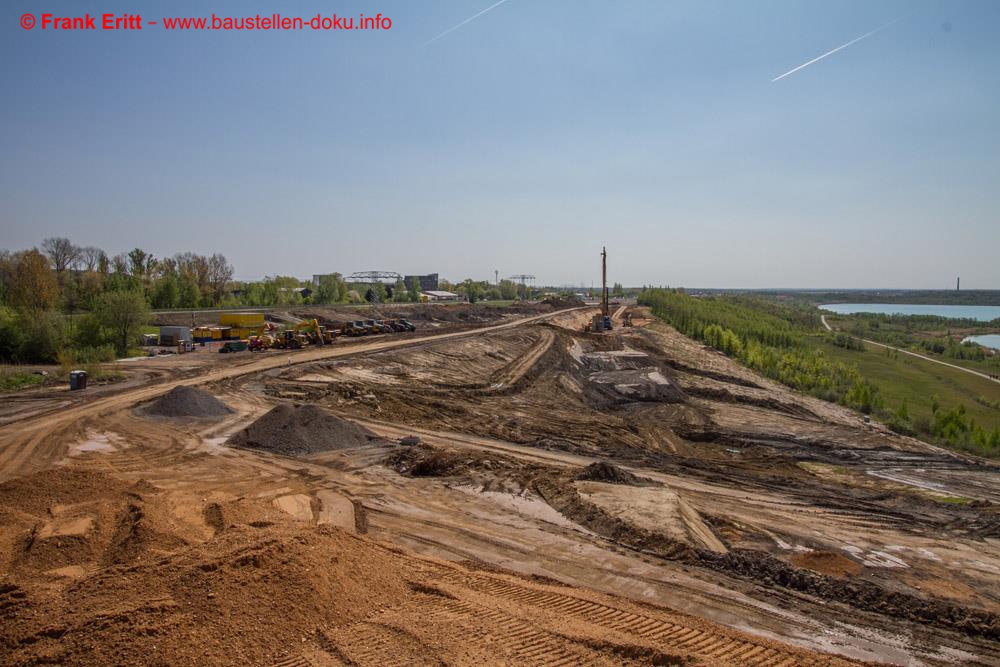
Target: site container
248,320
170,336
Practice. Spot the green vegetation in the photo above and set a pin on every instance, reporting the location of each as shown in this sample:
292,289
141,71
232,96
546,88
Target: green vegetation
785,341
929,335
12,379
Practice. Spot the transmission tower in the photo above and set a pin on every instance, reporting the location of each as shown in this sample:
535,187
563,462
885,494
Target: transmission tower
523,279
371,278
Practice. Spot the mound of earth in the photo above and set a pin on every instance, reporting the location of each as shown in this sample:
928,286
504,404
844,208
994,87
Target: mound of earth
602,471
185,401
241,598
67,519
295,430
563,302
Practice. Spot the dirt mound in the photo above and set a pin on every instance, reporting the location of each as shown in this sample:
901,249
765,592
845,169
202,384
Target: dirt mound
185,401
602,471
563,302
210,603
70,518
296,430
35,494
827,562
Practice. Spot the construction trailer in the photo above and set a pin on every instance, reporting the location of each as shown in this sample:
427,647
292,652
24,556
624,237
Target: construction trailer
171,336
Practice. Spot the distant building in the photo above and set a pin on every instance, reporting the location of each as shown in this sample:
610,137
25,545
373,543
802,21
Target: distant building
428,283
437,295
170,336
304,292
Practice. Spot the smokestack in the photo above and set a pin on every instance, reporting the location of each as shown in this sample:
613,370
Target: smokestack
958,283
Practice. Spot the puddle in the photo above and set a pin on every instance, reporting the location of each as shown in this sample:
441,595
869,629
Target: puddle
524,505
101,443
875,558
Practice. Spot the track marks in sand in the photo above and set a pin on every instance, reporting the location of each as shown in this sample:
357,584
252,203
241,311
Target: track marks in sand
470,617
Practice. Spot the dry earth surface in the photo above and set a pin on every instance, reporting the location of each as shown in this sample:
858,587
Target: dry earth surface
576,498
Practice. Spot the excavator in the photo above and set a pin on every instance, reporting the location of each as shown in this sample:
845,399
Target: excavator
316,333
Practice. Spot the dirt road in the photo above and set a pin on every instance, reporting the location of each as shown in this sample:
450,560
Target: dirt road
20,440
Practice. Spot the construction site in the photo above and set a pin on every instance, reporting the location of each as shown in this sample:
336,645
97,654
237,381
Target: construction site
552,483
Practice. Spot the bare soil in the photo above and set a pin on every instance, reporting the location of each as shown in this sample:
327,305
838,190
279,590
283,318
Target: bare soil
708,493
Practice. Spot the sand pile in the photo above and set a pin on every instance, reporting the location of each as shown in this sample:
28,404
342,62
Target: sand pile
187,402
295,430
212,603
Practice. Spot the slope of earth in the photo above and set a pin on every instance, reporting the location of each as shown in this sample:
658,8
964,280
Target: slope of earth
258,589
809,498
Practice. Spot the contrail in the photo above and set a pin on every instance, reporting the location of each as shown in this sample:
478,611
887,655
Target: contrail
830,53
468,20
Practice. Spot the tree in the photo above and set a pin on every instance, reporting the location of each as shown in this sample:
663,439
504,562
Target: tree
219,273
413,292
471,289
123,314
90,258
376,293
34,287
167,293
190,296
399,291
508,290
331,289
62,252
138,261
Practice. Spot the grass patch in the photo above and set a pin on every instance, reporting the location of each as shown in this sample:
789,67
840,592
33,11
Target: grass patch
12,379
902,378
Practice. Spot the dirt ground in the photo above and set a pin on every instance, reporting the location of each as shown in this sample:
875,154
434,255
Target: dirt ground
577,498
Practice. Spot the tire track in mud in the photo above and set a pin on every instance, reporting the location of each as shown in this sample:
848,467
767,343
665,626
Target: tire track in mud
714,645
532,624
509,376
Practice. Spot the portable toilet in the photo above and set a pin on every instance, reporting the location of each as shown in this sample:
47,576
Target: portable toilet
77,380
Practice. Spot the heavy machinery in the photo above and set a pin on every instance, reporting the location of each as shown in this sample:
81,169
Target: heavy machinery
408,325
357,328
316,333
258,343
377,328
234,346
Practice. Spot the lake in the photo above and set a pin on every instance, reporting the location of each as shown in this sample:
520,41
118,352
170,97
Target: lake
989,340
981,313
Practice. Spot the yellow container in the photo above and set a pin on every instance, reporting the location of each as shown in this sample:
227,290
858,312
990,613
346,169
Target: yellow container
242,319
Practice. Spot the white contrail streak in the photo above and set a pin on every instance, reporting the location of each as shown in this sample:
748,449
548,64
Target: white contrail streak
830,53
468,20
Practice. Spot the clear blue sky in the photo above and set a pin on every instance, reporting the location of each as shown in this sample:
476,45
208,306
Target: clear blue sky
521,142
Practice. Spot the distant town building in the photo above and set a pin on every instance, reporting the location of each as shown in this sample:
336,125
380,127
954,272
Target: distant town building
437,295
428,283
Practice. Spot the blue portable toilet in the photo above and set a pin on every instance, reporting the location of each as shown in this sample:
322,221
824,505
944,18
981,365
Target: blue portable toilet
77,380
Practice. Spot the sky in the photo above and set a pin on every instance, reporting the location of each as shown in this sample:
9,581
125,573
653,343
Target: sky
521,142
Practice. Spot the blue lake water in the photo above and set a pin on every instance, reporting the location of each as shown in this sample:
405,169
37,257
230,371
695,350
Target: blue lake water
989,340
981,313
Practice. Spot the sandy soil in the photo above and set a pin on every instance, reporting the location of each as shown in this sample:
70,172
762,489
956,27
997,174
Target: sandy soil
774,541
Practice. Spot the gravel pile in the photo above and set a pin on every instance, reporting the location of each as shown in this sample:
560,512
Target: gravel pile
187,402
294,430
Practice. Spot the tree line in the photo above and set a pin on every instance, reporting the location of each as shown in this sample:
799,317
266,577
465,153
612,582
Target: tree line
768,336
65,301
